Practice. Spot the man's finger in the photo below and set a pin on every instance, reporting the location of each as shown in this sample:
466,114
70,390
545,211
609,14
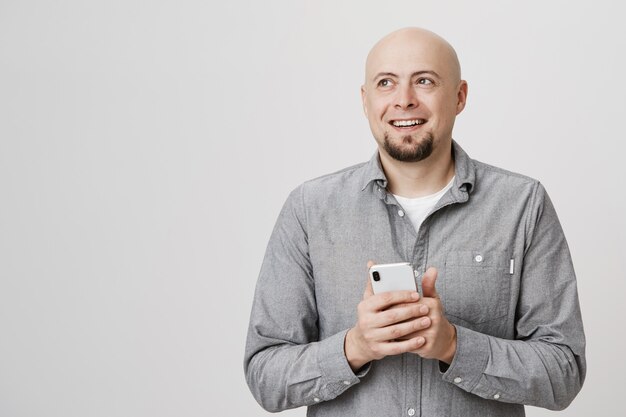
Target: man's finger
428,283
397,347
368,288
385,300
396,314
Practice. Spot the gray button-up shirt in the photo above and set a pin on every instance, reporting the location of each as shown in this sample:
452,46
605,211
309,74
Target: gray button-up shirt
505,279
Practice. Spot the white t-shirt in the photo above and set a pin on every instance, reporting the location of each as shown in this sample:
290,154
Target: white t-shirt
418,208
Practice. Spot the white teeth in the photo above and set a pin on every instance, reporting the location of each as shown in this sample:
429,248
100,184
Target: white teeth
404,123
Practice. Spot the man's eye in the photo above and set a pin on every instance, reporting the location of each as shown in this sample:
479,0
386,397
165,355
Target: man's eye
425,81
384,82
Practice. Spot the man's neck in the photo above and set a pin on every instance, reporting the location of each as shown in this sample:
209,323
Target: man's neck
418,179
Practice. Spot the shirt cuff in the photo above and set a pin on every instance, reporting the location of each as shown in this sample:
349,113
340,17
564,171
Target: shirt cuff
470,359
336,372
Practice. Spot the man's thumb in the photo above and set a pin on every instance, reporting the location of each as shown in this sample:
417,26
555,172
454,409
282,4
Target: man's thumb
428,283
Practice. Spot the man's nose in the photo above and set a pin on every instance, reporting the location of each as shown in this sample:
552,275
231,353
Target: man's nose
406,97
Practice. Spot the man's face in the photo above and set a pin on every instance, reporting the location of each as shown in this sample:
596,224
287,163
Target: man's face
411,96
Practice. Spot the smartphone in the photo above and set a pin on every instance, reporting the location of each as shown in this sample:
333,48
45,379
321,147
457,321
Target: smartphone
392,277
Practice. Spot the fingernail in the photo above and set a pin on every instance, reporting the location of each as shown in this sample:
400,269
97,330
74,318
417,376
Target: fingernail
423,309
424,322
415,296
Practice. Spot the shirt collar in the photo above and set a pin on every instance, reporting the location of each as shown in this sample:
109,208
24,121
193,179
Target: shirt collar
374,172
464,169
463,166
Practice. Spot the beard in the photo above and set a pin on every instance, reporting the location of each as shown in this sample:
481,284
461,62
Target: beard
409,149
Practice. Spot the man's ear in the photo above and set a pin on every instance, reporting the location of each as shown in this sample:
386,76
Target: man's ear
461,96
363,94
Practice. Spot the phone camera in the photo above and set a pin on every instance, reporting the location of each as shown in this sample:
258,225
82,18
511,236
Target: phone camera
376,276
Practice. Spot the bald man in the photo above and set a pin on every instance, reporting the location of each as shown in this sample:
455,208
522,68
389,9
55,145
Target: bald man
497,324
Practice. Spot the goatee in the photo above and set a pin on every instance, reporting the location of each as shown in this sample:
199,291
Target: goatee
410,149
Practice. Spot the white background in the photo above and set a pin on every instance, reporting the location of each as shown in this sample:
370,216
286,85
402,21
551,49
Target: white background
146,148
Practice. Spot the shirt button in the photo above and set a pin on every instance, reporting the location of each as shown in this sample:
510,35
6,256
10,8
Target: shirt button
478,258
497,396
458,380
346,382
316,399
411,412
401,213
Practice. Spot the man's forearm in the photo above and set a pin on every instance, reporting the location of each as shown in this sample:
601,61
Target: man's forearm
532,372
284,375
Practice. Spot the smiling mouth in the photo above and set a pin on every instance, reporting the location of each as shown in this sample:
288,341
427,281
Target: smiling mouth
407,123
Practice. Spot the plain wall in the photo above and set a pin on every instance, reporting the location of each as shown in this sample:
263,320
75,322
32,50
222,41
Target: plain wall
146,148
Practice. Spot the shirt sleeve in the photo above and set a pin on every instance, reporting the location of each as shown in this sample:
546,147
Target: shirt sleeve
545,365
286,365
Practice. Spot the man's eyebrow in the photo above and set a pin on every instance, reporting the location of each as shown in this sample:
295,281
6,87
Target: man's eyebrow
416,73
431,72
384,74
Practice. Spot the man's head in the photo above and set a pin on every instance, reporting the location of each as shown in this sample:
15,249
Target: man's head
412,93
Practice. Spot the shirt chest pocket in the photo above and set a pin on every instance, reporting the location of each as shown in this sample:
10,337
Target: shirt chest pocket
477,285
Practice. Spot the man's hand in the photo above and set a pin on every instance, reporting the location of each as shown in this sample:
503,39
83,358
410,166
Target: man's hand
379,326
440,335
